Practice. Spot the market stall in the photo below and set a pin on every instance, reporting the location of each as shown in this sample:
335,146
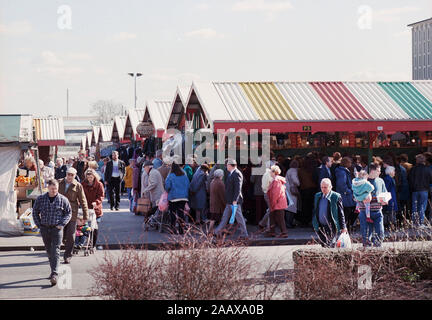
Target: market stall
15,138
349,117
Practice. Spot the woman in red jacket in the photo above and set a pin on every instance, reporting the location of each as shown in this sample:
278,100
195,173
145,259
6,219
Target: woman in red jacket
94,191
278,203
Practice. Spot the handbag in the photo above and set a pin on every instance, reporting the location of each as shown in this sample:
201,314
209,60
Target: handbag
143,205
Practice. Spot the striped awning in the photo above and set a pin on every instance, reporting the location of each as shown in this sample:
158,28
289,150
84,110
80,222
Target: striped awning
49,131
325,101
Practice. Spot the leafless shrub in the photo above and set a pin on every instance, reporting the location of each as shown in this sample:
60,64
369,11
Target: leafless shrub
332,274
199,268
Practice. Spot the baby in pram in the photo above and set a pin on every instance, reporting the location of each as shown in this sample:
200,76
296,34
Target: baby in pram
83,231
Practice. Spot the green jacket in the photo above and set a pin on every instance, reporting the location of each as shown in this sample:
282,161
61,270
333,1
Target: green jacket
335,211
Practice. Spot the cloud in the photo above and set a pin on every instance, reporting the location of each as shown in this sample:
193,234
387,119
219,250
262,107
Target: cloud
203,6
205,33
262,6
78,56
17,28
180,77
119,36
369,75
50,58
392,14
405,33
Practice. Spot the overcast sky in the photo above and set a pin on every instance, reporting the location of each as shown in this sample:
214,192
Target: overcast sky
90,46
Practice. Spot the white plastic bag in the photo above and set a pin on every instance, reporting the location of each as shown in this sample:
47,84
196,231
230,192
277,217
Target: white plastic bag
344,241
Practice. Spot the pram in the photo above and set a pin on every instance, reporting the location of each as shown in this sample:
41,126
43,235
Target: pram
84,233
160,221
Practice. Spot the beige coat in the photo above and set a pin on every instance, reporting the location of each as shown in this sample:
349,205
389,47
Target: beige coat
76,197
152,186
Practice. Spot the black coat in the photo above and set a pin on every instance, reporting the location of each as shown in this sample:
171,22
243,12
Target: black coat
420,178
60,172
233,187
109,169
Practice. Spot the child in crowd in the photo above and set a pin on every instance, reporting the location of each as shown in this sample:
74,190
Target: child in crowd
362,190
82,233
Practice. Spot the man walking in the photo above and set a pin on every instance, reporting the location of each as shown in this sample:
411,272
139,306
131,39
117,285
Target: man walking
51,213
74,192
233,196
328,217
81,165
420,178
114,173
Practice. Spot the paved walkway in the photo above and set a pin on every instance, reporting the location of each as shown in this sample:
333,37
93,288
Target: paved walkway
123,228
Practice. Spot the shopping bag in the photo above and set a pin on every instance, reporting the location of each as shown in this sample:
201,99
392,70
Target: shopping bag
344,241
163,202
289,199
28,223
233,213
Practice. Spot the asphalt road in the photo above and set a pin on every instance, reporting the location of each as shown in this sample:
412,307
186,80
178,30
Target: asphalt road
23,274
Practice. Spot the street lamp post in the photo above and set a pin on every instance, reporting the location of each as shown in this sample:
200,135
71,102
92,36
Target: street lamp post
135,75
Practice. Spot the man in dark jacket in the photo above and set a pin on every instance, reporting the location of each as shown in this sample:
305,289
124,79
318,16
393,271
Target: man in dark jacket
325,170
328,216
81,165
233,196
420,178
60,170
114,173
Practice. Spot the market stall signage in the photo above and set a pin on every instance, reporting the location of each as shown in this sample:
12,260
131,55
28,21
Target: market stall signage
307,128
145,129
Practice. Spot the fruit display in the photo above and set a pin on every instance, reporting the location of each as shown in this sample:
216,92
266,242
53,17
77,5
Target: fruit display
22,181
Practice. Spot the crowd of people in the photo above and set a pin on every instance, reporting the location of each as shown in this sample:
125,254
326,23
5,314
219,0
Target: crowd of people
327,193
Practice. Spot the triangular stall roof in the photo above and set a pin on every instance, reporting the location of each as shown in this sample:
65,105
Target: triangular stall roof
133,119
118,128
178,107
105,132
157,112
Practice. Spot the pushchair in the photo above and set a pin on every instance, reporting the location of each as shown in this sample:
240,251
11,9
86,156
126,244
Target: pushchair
84,233
160,221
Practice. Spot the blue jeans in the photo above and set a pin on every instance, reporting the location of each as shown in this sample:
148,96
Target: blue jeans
130,197
367,228
419,202
52,238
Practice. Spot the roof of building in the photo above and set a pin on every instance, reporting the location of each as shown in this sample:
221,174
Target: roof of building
49,130
106,132
118,127
159,112
317,101
420,22
178,105
16,128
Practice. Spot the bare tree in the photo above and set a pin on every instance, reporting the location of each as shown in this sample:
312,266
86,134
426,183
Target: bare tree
106,110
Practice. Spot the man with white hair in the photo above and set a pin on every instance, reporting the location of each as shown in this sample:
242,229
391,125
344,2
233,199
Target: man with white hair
46,172
74,192
328,217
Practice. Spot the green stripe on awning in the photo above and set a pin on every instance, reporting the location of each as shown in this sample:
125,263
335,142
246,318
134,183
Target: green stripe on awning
409,99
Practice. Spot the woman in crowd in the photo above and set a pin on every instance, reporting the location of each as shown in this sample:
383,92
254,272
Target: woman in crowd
278,203
217,198
177,186
308,188
293,184
47,173
29,165
391,209
198,193
128,182
344,188
94,192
